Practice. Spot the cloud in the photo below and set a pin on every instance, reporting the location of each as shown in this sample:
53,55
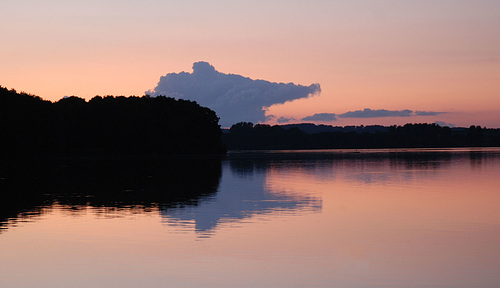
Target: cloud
369,113
285,119
444,124
428,113
321,117
233,97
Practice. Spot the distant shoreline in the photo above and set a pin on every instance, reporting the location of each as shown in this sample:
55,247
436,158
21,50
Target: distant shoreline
247,136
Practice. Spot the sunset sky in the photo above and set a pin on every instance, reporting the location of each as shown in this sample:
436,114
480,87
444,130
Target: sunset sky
439,60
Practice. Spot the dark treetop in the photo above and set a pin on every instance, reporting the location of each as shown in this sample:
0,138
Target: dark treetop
105,126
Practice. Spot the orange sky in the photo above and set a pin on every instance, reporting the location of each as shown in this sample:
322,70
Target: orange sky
441,56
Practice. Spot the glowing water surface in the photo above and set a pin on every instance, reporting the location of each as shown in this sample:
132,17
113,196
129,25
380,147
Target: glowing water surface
419,218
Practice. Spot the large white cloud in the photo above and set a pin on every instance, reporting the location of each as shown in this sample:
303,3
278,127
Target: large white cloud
233,97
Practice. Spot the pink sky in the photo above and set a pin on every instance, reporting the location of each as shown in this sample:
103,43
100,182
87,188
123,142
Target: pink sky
439,56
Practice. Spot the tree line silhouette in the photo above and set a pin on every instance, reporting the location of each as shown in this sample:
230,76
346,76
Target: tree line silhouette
104,126
247,136
31,127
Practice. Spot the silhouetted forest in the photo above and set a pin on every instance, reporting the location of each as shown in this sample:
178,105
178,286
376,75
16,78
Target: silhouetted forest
31,127
247,136
105,126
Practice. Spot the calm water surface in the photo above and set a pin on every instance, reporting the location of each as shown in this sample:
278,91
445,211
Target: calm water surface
395,218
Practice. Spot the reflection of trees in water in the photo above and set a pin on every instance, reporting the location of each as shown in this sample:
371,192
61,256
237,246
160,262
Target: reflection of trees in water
344,158
246,167
477,158
29,189
401,166
421,160
368,166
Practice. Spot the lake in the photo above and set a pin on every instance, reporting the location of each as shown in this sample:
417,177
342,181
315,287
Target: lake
326,218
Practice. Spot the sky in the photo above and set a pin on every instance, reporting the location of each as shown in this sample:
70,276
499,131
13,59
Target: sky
354,62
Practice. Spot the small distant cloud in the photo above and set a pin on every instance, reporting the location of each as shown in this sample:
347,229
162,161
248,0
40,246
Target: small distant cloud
285,119
233,97
369,113
428,113
327,117
270,117
444,124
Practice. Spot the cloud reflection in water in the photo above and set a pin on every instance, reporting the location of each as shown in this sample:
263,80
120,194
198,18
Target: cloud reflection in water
243,194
